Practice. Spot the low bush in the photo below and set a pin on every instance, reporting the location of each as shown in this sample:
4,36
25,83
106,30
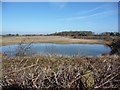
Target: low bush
115,46
61,72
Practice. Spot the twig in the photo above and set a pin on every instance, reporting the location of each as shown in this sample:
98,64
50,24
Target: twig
106,82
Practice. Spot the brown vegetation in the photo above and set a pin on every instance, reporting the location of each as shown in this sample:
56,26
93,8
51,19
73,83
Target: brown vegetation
6,40
60,72
115,46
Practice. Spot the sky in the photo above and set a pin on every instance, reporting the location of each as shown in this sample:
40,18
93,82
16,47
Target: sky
0,18
50,17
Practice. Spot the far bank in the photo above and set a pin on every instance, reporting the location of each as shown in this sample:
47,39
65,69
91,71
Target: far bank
7,40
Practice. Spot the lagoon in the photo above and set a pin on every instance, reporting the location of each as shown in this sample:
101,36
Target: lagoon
59,49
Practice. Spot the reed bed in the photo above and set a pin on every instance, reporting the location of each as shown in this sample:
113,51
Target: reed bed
52,72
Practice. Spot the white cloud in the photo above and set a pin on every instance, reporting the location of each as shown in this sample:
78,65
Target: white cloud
91,10
103,10
102,7
107,13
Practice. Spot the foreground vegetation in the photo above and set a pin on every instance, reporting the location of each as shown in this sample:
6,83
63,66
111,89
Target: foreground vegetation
60,72
115,46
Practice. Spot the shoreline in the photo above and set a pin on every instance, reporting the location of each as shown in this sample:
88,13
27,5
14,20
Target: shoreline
52,43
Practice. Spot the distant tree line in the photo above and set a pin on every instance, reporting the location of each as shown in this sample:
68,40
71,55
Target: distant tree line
33,35
84,33
23,35
88,35
11,35
74,34
111,33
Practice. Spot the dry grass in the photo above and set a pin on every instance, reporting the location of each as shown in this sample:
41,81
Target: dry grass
47,39
53,72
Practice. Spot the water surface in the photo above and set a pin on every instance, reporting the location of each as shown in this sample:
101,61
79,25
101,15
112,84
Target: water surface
60,49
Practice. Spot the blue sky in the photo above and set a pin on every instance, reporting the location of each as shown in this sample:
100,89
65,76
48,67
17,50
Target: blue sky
50,17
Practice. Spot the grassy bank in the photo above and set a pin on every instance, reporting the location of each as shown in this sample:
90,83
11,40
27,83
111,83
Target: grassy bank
6,40
53,72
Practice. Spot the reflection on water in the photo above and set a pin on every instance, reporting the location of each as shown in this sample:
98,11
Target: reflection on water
61,49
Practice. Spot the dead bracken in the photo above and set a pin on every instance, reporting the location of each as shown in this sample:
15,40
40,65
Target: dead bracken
60,72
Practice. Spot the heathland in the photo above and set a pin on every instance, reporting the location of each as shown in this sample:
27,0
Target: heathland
54,72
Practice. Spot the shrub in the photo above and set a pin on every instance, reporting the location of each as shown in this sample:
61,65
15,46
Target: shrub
115,46
58,72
